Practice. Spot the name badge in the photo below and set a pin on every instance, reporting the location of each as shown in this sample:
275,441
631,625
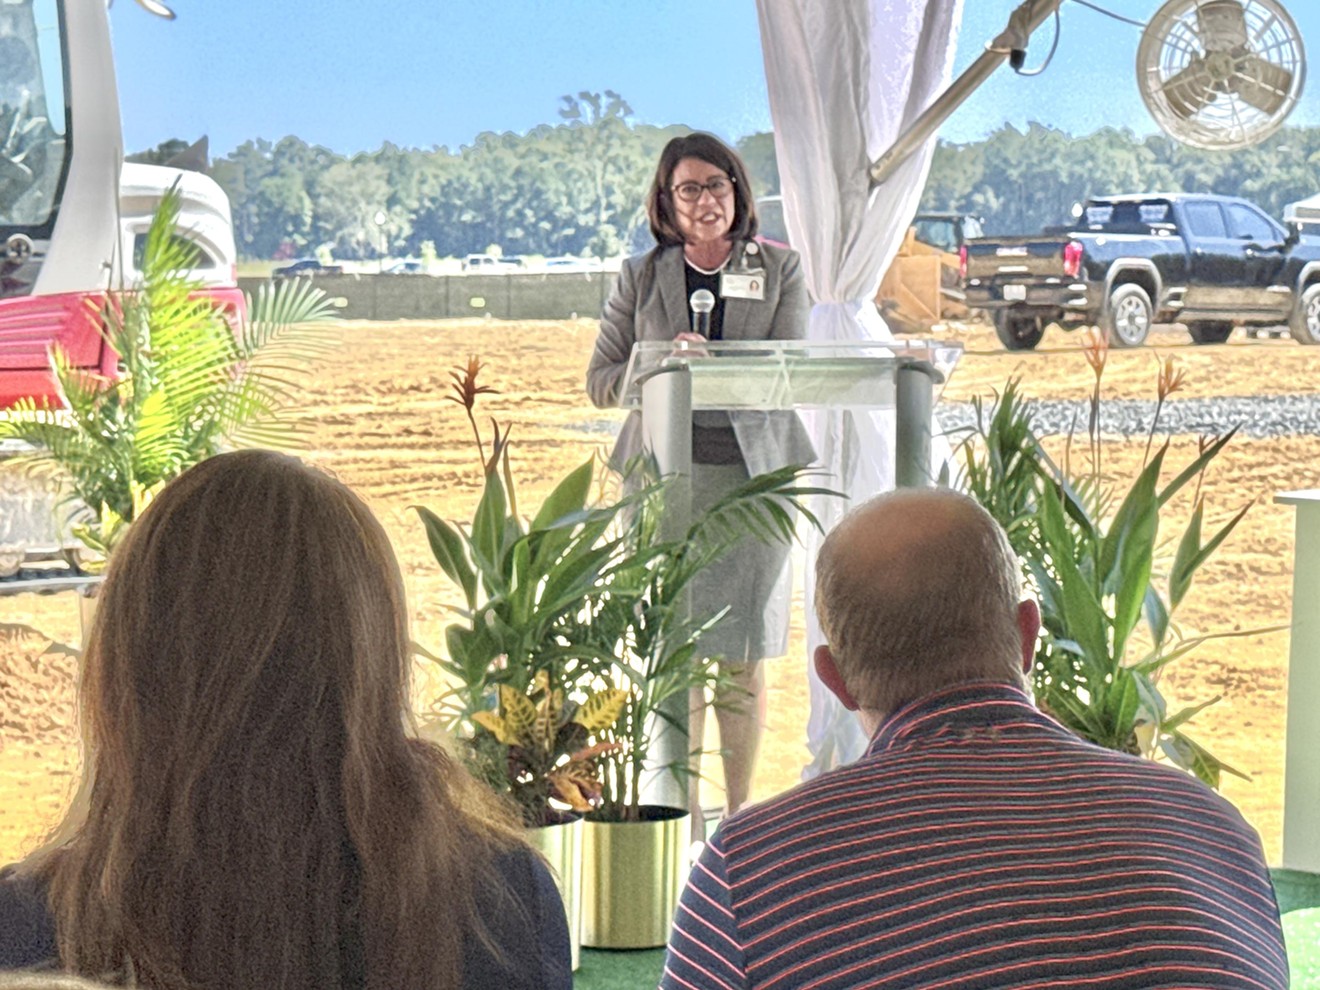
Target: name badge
742,286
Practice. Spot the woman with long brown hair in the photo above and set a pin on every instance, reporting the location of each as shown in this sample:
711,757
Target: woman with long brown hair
255,811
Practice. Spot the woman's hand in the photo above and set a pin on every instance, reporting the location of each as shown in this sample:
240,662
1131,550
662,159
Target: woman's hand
689,345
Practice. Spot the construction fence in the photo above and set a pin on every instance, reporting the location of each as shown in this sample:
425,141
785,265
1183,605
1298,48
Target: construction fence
516,296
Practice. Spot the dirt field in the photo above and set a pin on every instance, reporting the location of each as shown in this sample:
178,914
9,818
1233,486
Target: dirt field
379,419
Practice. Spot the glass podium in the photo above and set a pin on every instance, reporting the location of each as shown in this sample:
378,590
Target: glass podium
669,381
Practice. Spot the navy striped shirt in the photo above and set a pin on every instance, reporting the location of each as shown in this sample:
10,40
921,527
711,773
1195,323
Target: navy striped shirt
980,844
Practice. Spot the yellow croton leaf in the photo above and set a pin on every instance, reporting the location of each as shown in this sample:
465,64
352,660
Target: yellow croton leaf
519,715
496,726
601,710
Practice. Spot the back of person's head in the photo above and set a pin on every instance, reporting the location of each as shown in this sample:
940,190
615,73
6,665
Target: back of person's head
660,208
918,590
256,811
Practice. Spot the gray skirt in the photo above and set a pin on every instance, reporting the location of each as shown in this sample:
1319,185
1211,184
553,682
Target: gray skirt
753,579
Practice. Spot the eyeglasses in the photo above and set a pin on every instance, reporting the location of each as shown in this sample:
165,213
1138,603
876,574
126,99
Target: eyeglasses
690,192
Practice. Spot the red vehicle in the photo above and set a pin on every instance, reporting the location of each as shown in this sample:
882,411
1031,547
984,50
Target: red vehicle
72,219
71,212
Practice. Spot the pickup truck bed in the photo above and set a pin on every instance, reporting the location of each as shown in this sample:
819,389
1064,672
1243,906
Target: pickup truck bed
1210,262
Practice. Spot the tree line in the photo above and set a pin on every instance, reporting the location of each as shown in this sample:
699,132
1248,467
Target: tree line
577,187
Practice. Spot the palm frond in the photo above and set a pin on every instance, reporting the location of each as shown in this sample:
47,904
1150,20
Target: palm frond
189,382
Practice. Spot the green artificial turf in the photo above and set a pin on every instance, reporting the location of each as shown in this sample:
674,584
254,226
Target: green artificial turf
1301,931
635,969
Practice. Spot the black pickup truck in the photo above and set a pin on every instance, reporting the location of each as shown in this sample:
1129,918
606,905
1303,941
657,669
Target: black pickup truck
1210,263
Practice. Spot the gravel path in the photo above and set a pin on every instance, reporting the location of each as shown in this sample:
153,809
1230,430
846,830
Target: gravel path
1257,416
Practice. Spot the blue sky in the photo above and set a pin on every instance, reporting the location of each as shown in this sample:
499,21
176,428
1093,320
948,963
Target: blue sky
420,73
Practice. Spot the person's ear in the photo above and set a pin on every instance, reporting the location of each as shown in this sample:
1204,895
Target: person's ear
828,672
1028,622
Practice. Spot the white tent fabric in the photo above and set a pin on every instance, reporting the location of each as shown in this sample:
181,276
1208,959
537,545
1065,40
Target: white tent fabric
844,78
1304,211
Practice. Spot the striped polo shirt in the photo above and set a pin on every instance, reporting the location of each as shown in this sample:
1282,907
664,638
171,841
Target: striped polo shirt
978,843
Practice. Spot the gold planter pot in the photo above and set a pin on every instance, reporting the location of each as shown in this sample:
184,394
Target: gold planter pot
561,845
633,873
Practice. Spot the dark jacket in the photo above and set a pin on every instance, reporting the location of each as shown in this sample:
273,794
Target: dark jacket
537,959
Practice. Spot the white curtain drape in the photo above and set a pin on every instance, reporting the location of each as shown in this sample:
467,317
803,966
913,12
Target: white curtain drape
845,77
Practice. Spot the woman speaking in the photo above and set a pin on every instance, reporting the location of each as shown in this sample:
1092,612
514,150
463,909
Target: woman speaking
703,217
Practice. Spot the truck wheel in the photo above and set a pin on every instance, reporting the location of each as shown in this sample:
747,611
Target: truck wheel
1127,318
1305,323
1210,331
1018,332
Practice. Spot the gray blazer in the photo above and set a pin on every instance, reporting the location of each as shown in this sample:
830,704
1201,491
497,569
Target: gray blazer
649,302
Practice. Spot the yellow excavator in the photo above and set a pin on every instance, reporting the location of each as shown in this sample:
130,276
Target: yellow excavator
924,284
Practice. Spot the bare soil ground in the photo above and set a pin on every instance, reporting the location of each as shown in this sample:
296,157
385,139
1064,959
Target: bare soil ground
379,418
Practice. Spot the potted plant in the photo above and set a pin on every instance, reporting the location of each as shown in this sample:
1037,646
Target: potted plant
191,383
520,697
583,606
636,854
1091,552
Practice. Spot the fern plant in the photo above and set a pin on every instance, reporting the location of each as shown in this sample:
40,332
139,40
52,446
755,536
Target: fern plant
192,380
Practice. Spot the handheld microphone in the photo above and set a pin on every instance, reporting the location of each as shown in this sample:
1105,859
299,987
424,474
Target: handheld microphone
702,302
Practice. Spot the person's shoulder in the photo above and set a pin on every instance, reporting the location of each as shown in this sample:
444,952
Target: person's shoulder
647,260
28,930
1181,792
526,917
776,255
791,808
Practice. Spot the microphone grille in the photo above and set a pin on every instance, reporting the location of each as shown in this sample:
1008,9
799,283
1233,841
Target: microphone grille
702,301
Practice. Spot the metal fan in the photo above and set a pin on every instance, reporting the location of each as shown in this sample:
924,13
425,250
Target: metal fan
1221,74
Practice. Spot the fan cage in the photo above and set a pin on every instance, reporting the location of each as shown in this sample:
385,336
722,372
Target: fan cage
1171,47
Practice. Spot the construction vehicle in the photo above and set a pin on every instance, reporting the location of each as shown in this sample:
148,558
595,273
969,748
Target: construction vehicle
73,218
922,287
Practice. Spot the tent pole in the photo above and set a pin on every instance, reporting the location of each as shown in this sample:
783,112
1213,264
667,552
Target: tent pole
1021,23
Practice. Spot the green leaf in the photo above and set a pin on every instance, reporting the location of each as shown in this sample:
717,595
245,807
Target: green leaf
1157,616
449,550
570,495
1186,714
1193,757
1128,546
1196,467
488,530
1082,611
1190,556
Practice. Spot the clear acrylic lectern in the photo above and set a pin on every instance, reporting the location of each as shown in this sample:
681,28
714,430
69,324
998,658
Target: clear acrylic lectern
669,381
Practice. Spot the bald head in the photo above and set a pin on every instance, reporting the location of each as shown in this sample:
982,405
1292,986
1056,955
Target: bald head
916,590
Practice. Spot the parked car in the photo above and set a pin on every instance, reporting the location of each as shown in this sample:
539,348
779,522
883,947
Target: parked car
406,268
306,266
569,264
1211,263
487,264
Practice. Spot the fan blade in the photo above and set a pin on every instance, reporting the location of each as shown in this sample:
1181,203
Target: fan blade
1222,25
1190,91
1262,84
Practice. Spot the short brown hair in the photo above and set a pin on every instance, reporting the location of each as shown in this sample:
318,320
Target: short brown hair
934,608
712,151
